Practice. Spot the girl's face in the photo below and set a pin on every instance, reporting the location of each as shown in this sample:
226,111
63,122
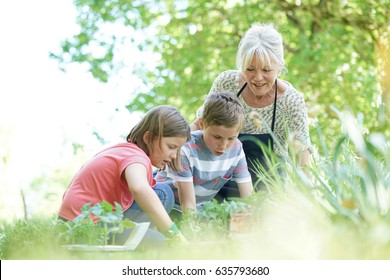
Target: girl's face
218,138
167,150
260,78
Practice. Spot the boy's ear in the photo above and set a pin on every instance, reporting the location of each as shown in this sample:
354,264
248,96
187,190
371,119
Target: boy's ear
201,124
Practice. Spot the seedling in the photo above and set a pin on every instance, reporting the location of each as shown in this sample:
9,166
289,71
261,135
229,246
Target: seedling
101,217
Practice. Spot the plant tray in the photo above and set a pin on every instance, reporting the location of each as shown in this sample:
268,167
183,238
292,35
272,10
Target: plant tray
131,243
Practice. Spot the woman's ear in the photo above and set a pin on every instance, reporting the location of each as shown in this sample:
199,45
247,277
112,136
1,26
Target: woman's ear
201,123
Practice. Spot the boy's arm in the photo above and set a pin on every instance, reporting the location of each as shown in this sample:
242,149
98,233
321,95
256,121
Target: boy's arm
246,189
187,198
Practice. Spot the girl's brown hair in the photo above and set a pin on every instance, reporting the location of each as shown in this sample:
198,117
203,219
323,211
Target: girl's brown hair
161,121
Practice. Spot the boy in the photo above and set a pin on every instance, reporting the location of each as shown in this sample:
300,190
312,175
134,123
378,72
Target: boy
212,157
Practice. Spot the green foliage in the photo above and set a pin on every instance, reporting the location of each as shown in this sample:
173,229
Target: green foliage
341,206
339,209
212,221
42,238
80,232
83,228
358,184
33,239
329,49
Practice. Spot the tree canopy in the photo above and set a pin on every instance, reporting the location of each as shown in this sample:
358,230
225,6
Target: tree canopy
329,47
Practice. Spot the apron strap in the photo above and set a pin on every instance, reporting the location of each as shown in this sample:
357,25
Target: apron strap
276,96
241,90
274,115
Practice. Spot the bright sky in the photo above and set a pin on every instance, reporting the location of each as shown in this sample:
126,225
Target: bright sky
41,108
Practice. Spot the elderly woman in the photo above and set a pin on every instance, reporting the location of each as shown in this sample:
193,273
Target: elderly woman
276,113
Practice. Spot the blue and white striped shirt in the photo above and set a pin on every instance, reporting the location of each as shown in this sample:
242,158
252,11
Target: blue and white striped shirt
208,172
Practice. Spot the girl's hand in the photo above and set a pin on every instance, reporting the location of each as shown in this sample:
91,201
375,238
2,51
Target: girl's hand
178,240
174,236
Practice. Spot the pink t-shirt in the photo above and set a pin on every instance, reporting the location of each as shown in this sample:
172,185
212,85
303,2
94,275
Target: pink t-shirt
102,179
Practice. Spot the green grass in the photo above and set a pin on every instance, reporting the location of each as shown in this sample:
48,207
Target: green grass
339,211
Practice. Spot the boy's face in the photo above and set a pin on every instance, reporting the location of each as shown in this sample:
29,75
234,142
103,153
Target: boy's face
219,138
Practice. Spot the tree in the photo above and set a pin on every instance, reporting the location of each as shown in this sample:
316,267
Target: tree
329,49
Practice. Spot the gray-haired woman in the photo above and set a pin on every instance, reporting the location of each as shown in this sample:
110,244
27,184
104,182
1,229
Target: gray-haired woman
276,113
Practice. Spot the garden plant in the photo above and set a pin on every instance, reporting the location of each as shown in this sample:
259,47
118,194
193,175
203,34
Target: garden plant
339,209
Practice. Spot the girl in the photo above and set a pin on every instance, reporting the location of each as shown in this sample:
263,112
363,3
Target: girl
123,173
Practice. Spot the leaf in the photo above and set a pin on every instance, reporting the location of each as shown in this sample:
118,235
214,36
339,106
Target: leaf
106,207
109,218
128,224
97,210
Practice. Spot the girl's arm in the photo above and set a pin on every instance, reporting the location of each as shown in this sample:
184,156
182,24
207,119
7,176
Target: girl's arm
146,198
187,196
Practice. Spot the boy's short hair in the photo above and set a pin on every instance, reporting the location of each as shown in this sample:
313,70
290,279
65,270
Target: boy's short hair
223,108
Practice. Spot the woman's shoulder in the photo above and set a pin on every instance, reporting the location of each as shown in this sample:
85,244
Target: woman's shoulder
292,100
229,74
291,92
226,81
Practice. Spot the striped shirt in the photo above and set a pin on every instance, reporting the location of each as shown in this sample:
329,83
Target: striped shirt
208,172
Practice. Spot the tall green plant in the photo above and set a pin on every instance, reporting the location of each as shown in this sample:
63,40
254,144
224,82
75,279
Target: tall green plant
212,221
31,239
359,173
110,218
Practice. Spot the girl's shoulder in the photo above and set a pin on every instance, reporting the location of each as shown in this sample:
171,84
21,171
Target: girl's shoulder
122,151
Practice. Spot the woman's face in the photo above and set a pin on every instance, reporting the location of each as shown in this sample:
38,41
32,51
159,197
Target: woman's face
167,150
260,78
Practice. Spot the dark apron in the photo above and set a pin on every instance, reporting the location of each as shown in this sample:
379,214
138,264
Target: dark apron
255,147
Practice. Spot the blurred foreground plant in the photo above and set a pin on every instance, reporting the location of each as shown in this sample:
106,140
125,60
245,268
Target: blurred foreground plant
337,210
84,228
340,207
212,221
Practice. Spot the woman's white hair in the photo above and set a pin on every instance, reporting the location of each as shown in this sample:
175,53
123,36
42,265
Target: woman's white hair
264,42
